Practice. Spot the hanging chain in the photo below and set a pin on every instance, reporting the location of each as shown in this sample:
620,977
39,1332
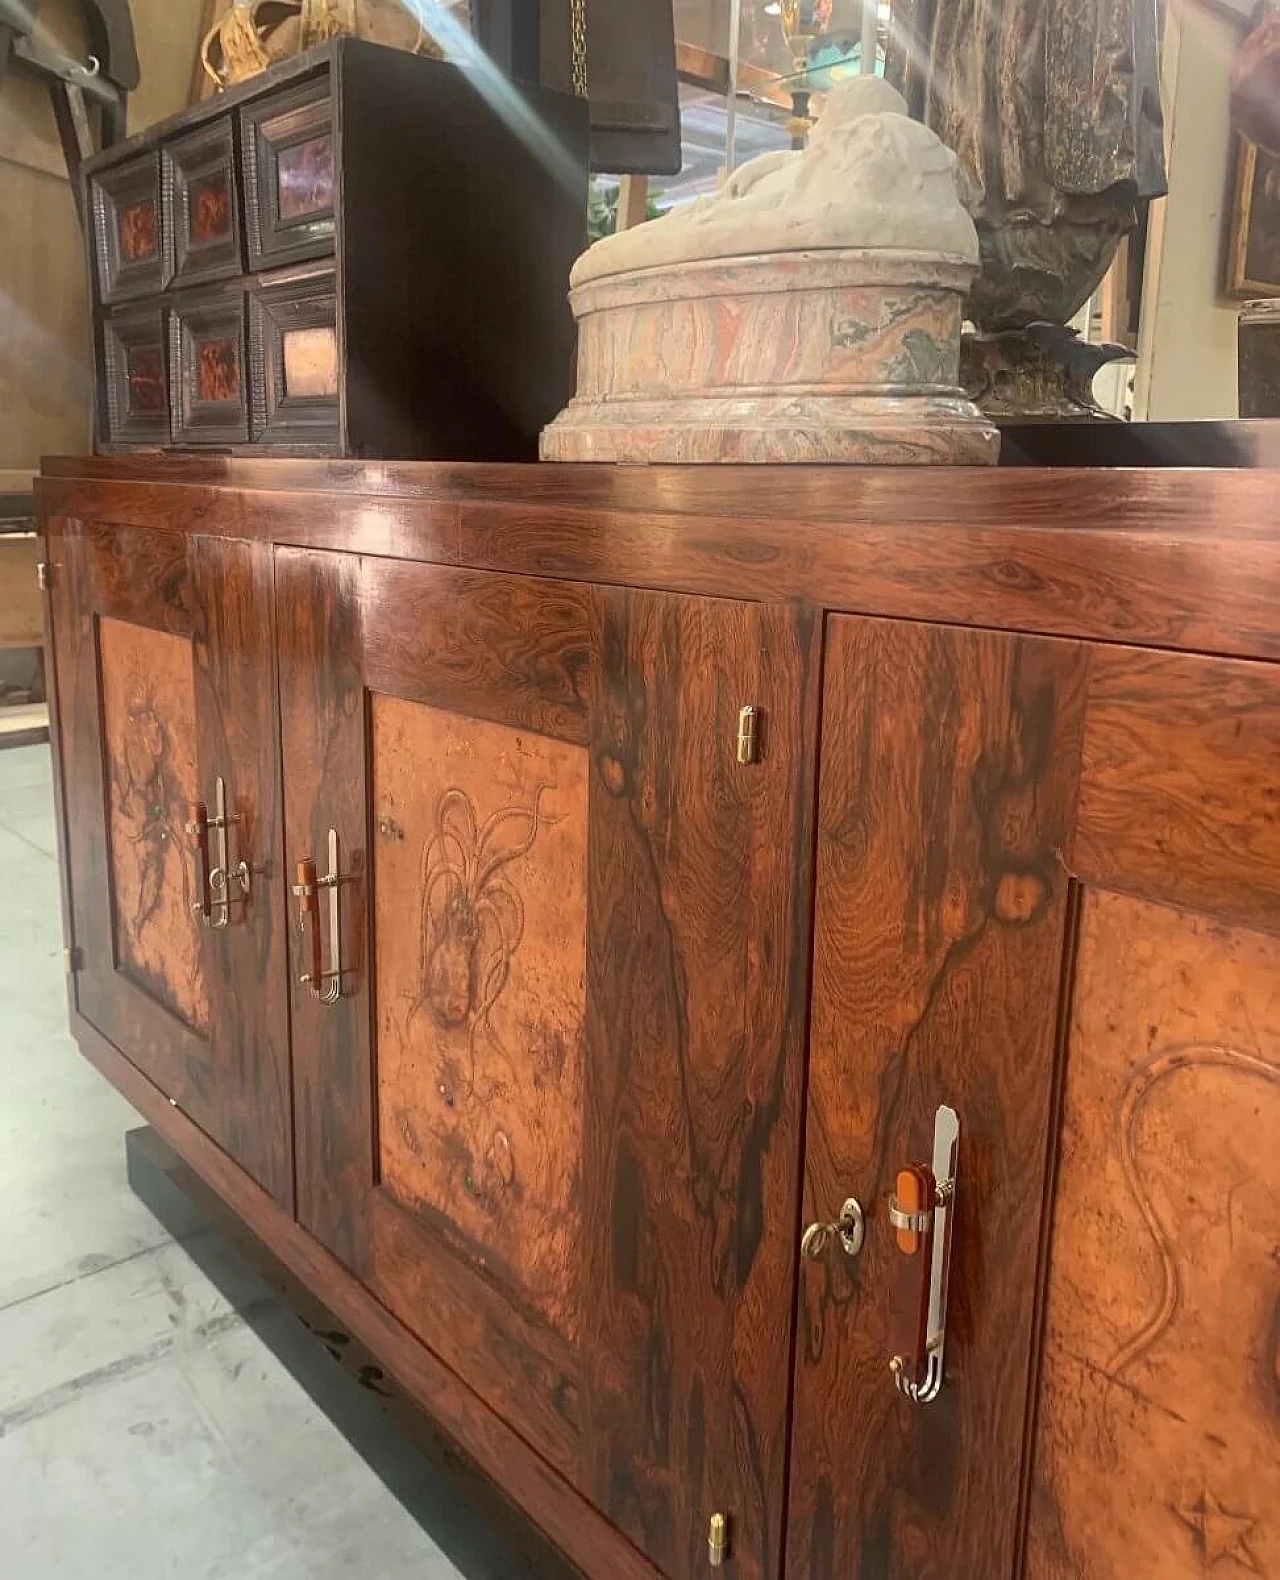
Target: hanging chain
578,16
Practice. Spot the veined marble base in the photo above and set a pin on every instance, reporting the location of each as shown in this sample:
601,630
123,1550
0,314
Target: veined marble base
829,355
864,429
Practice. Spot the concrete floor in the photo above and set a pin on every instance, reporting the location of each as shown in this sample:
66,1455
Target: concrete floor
157,1422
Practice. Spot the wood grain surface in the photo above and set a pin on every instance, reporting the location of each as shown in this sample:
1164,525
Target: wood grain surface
698,908
479,877
509,649
1158,1437
1180,783
149,724
948,779
139,574
247,1079
322,705
1176,559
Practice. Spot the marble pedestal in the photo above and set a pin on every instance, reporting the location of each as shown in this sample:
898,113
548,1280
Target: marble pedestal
829,355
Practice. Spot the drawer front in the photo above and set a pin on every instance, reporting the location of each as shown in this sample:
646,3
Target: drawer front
295,359
290,174
202,201
208,368
136,375
133,254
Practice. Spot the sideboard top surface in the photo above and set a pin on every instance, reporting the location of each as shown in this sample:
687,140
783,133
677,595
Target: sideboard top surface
1182,558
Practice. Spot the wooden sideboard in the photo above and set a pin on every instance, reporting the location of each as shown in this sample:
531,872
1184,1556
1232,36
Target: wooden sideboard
619,989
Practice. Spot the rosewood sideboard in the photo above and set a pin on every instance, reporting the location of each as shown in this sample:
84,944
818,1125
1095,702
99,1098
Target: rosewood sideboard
753,993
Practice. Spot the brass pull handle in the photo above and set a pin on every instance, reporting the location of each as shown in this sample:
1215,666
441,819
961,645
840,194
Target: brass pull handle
850,1229
325,985
198,833
922,1212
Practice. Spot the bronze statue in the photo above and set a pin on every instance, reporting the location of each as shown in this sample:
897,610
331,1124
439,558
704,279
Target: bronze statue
1053,109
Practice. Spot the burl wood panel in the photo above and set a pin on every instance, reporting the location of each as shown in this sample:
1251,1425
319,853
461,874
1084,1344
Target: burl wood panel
479,872
1180,782
697,971
148,706
1158,1440
948,779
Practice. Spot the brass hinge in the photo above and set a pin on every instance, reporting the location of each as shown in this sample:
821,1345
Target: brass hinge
73,960
748,734
44,576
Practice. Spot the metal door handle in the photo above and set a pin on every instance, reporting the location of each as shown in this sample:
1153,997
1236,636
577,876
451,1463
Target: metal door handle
922,1212
325,984
216,882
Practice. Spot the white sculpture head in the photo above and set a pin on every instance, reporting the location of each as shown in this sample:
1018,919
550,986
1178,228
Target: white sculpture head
870,178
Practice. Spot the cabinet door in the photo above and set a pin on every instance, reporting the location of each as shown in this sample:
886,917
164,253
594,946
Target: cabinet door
552,1121
163,653
943,900
1156,1443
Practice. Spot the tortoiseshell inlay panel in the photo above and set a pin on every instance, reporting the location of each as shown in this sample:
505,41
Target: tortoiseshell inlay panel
138,231
479,870
218,369
149,729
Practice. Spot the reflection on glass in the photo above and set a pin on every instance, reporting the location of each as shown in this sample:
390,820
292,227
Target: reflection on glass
310,362
305,176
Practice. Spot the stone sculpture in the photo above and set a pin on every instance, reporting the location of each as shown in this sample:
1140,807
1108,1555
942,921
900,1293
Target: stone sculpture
809,311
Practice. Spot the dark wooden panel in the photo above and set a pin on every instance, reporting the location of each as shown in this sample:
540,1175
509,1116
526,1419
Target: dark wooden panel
1156,1434
514,1362
139,574
1181,560
323,749
697,967
248,1079
513,651
948,780
1180,782
583,1534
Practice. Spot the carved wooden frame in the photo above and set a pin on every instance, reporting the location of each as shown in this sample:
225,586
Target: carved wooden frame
122,333
279,306
111,193
268,129
219,313
186,162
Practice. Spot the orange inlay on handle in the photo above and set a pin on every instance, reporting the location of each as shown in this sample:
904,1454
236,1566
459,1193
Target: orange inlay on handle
198,833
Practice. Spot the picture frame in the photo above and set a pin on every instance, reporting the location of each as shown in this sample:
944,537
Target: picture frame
1253,251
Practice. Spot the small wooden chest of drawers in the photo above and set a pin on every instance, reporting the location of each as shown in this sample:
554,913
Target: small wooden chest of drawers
363,253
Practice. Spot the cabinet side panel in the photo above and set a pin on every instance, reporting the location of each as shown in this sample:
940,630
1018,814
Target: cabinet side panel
948,777
1158,1429
322,732
697,974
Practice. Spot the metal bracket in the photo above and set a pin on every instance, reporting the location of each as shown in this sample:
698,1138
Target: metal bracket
924,1235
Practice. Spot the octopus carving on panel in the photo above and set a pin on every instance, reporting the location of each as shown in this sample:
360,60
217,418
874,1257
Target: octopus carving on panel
481,989
149,720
